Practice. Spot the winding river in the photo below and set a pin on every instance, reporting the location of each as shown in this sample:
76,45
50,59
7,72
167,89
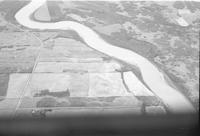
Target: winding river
175,101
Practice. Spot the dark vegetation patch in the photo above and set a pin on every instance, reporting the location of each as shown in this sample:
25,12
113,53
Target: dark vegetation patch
55,11
16,47
180,85
150,100
47,102
100,10
186,52
2,98
173,30
46,92
130,7
154,11
76,102
3,47
149,24
91,101
124,40
192,5
4,79
40,113
69,34
75,71
20,49
179,4
75,11
6,68
11,7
